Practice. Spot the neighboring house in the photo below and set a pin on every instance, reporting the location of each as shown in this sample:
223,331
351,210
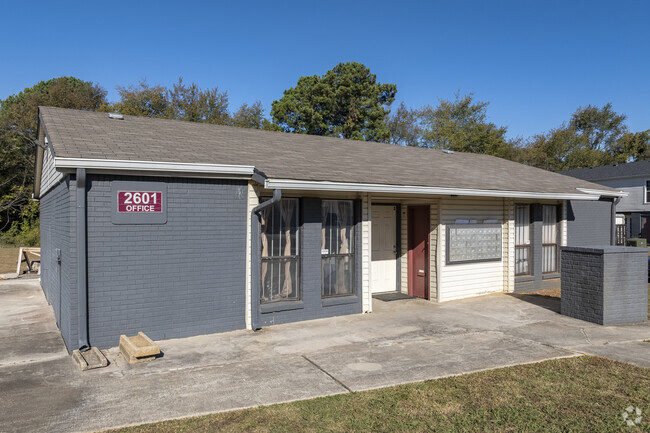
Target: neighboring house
178,228
633,210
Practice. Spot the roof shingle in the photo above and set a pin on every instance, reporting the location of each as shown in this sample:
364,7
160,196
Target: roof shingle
85,134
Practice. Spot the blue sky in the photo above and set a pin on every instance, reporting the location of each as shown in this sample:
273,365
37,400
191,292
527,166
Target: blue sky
534,61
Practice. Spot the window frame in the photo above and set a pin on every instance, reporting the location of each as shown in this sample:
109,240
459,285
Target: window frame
557,243
295,258
351,254
527,246
645,192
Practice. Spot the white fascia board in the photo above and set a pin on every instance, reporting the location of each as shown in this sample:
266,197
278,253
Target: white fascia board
152,166
408,189
603,193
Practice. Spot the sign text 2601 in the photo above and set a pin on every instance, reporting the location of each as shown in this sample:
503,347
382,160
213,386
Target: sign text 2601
139,201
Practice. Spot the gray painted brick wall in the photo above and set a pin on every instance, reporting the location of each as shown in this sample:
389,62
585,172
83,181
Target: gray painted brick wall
589,223
313,306
59,281
605,285
182,278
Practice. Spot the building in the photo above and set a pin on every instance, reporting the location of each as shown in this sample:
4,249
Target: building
177,228
632,210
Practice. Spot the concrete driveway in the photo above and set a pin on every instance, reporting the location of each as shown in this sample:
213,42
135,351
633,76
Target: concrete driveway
402,341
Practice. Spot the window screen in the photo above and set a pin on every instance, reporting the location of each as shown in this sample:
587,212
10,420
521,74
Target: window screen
522,239
549,238
280,255
337,248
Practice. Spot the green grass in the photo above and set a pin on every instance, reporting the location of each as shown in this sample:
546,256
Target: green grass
584,394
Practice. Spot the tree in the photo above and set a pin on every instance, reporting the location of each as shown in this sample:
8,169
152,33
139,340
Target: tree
346,102
600,127
592,137
18,119
461,125
404,126
143,100
249,116
195,105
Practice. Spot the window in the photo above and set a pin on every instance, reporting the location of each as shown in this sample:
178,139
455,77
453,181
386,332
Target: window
549,238
337,248
522,239
280,255
647,191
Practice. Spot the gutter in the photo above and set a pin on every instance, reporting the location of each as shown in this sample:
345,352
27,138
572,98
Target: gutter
113,165
82,262
255,259
408,189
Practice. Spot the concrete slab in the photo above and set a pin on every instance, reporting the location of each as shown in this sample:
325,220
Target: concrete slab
374,366
401,341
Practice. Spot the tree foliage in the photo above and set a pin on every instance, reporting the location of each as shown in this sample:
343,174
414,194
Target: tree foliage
459,125
346,102
18,120
592,137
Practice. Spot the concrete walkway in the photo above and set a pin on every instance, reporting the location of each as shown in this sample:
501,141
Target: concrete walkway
41,389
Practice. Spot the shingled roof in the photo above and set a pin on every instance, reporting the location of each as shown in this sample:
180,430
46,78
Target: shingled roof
277,155
616,171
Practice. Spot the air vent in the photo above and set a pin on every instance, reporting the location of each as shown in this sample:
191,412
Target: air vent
117,116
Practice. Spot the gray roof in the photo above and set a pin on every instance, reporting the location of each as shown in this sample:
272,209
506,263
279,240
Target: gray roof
616,171
278,155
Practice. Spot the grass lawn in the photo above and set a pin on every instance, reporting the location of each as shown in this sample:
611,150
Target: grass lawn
584,394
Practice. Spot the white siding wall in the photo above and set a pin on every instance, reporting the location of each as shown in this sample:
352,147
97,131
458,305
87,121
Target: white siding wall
434,227
366,248
471,279
253,200
404,265
509,246
49,177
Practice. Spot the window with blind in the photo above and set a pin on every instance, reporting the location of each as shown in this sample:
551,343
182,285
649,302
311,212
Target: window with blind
337,248
549,239
280,255
522,239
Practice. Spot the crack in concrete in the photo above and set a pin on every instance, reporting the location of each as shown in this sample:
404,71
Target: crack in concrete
584,332
338,382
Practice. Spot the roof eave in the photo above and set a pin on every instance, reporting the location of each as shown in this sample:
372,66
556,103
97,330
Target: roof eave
412,189
157,167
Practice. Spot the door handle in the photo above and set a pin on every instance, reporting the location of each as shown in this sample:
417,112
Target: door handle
421,272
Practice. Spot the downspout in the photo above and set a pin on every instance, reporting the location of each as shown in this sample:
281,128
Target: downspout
255,252
82,261
613,234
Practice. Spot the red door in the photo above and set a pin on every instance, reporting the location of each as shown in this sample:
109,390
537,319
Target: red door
418,251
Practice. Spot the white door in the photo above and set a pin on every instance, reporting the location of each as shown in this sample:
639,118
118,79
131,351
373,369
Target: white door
384,249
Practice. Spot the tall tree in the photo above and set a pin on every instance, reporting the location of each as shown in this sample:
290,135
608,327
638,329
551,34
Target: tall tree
18,117
404,126
346,102
143,100
196,105
593,136
461,125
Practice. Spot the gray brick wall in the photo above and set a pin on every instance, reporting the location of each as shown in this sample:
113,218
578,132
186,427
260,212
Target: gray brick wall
182,278
313,306
59,281
589,223
605,285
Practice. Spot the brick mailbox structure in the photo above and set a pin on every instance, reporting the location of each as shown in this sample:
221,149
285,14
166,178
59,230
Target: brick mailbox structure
605,285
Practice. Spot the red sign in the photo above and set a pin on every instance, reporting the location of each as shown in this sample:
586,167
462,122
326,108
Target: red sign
139,201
